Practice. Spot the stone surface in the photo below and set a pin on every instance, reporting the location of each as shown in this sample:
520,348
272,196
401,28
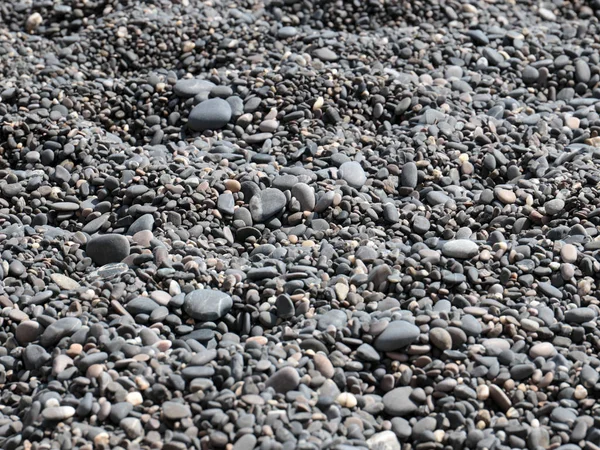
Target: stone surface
206,304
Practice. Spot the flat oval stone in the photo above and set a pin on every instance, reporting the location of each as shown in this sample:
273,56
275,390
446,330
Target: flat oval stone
460,249
57,413
108,248
267,204
192,87
580,315
568,253
398,334
398,402
211,114
175,411
284,380
207,304
409,175
59,329
353,174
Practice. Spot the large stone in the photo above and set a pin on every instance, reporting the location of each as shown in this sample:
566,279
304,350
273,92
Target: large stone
353,173
266,204
460,249
175,411
108,248
57,413
207,304
211,114
284,380
397,335
397,402
59,329
191,87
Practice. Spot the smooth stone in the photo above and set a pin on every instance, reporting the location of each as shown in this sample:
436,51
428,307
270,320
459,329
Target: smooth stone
409,175
398,402
35,356
27,331
366,352
336,318
530,75
353,174
568,253
287,32
505,196
245,442
175,411
64,282
550,291
554,206
192,87
500,397
59,329
305,195
132,427
384,440
580,315
284,380
211,114
460,249
142,223
285,307
437,198
226,203
582,71
325,54
207,304
440,338
398,334
266,204
141,305
421,225
57,413
108,248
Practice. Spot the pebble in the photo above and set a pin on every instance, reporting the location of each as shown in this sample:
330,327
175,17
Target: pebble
267,204
554,206
175,411
284,380
353,174
108,248
398,402
206,304
58,413
460,248
398,334
211,114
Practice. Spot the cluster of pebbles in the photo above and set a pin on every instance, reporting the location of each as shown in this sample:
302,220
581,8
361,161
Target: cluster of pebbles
299,224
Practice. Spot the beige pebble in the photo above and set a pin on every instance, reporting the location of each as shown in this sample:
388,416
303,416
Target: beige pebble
233,185
568,253
188,46
347,400
483,392
342,290
102,439
94,371
33,21
261,340
572,122
135,398
580,392
323,365
505,196
74,350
